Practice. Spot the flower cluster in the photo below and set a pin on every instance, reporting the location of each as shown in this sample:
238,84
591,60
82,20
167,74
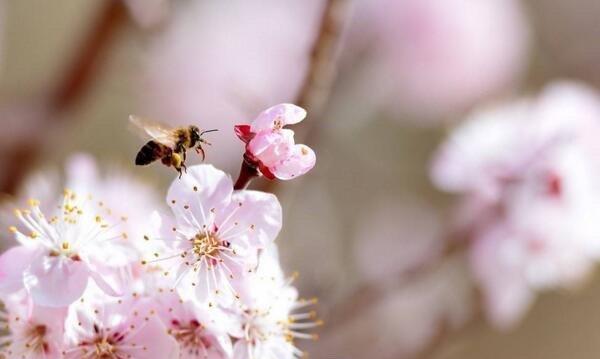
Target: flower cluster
528,173
199,278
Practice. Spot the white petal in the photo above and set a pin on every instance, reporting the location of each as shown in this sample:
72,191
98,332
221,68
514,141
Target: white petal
286,113
253,217
202,188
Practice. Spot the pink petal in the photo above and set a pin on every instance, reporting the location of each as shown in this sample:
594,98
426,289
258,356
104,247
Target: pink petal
271,147
109,284
241,350
302,160
506,292
243,132
153,336
278,116
56,281
252,217
13,263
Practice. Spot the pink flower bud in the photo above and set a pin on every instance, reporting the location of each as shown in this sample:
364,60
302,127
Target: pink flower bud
271,148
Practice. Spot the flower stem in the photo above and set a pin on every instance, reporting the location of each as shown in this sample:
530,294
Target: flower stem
248,172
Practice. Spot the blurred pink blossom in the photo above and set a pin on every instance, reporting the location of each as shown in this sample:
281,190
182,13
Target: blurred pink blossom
219,63
432,58
528,172
271,148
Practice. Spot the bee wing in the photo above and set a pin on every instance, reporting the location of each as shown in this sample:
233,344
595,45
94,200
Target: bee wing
157,131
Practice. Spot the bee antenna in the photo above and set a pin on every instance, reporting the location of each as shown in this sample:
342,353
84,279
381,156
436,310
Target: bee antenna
207,131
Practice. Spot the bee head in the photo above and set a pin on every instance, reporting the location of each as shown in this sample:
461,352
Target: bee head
195,134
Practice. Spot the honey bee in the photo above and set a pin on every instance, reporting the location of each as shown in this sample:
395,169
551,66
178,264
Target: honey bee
168,144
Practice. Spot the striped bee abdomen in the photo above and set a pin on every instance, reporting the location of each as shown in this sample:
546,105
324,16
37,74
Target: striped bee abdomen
151,151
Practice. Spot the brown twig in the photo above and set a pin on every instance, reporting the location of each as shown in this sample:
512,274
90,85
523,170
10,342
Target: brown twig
322,69
79,76
80,72
321,73
445,332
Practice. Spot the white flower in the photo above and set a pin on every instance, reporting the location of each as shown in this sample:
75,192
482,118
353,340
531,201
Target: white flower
267,322
60,253
100,327
31,331
216,233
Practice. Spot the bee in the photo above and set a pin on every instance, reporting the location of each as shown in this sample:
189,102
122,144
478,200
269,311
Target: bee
168,144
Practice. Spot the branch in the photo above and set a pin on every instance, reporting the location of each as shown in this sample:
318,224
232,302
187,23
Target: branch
322,71
80,73
78,78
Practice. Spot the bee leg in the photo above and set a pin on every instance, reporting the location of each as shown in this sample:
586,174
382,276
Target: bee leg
201,152
180,172
184,167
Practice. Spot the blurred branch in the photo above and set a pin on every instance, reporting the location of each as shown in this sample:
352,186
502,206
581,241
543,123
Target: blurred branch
322,71
445,331
80,73
363,298
368,292
78,78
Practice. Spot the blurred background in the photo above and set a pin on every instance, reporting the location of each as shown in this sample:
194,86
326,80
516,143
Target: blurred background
384,82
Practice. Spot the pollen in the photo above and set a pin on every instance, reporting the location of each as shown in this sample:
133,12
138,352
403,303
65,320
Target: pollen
33,202
206,245
12,229
65,246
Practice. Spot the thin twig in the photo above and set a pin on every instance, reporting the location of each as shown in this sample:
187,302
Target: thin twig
80,73
78,78
445,332
321,73
322,69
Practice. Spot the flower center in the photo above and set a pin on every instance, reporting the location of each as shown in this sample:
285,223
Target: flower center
65,249
254,329
35,339
206,245
104,349
190,336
